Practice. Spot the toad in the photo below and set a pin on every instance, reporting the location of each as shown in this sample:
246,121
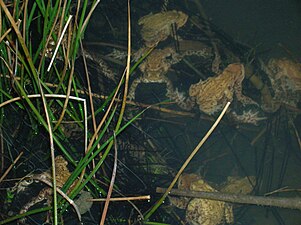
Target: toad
202,211
157,27
285,77
154,69
238,185
213,94
62,175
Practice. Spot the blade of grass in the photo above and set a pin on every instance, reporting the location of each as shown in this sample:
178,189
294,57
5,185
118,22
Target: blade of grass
19,216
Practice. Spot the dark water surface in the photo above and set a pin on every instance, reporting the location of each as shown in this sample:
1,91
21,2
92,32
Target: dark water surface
264,23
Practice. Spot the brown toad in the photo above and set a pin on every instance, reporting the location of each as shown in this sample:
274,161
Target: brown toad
285,77
62,175
154,69
238,185
157,27
213,94
202,211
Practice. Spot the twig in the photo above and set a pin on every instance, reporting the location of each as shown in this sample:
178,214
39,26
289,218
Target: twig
129,201
10,167
290,203
297,134
282,189
258,136
143,197
107,201
106,44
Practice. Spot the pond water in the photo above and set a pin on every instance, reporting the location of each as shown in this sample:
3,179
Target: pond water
205,54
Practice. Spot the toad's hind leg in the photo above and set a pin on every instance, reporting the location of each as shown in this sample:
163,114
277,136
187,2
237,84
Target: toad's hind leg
169,88
43,195
134,85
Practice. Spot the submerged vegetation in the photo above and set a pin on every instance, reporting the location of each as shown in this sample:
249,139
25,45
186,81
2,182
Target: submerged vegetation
115,107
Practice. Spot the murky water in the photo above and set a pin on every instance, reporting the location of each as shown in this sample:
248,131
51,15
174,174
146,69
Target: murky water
216,34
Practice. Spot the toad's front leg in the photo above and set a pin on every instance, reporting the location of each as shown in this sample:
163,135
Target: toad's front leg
245,100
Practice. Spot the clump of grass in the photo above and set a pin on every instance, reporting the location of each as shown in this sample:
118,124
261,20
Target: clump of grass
38,76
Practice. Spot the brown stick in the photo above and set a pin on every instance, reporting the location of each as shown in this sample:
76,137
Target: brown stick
10,167
290,203
134,198
107,201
